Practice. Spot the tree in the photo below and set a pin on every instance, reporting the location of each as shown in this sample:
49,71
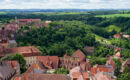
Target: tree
98,60
62,71
118,67
125,75
18,57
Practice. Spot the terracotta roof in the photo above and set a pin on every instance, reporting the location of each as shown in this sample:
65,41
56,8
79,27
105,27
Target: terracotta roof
44,77
84,75
111,62
99,68
117,35
27,51
50,62
30,20
14,64
79,54
93,71
17,78
25,20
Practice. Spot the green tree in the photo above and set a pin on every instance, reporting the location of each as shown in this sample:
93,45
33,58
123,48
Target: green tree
62,71
18,57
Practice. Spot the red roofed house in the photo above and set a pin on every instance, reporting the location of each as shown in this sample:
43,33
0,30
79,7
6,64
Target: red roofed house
101,68
77,59
79,55
23,22
37,68
51,62
16,66
117,36
111,64
77,74
29,52
29,76
80,76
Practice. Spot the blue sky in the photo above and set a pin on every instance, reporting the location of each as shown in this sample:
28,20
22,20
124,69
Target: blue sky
67,4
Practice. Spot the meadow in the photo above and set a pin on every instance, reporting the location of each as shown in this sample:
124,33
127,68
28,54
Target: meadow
114,15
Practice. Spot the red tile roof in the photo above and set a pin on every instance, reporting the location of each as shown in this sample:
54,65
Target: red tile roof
25,20
30,20
79,54
14,64
100,68
35,66
44,77
49,61
27,51
117,35
111,62
77,75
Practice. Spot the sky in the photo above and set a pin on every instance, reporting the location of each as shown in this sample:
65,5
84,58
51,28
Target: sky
64,4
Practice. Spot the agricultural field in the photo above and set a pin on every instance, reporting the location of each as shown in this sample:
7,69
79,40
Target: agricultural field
2,13
113,27
114,15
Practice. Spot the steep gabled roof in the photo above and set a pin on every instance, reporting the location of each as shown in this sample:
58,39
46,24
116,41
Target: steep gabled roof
38,66
14,64
79,54
111,62
49,61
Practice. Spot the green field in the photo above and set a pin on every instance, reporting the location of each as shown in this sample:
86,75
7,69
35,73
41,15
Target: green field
113,27
2,12
114,15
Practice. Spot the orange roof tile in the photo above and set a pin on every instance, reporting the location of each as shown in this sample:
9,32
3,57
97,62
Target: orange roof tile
26,51
49,61
79,54
14,64
44,77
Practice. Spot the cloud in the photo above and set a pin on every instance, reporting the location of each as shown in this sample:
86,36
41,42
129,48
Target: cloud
54,4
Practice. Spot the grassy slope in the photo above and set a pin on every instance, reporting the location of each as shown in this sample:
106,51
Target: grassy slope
2,12
114,15
113,27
